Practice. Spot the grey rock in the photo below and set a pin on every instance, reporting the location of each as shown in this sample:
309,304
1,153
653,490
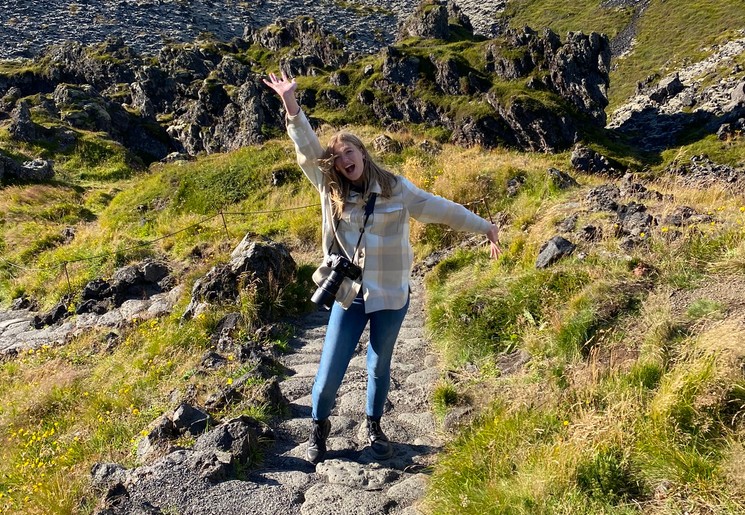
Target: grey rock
54,315
260,262
21,127
104,475
355,475
190,419
333,499
667,89
553,250
568,224
409,490
534,126
604,198
514,185
590,233
683,216
586,160
429,21
634,220
399,68
562,180
36,170
702,172
239,438
456,417
384,144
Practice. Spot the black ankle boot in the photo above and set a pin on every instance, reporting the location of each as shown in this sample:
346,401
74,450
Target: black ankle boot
319,431
379,444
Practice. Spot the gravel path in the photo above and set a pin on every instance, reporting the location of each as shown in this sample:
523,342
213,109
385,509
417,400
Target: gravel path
349,480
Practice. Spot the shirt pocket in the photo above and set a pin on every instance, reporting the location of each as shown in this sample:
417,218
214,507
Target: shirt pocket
387,218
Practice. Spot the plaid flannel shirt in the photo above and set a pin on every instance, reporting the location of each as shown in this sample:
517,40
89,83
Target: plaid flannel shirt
385,254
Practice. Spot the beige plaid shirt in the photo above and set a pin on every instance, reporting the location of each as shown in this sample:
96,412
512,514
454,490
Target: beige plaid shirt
385,254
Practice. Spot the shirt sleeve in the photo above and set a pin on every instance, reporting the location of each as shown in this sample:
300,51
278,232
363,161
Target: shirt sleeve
429,208
307,146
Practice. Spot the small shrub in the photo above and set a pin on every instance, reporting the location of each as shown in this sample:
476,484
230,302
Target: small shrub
444,396
609,475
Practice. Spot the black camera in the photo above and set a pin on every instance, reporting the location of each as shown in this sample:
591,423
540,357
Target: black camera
340,267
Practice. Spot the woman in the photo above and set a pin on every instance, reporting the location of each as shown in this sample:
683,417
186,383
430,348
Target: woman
365,211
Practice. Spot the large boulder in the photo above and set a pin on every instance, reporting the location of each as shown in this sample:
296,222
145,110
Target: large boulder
132,282
260,263
9,168
535,126
111,62
485,131
83,107
586,160
400,68
36,170
429,21
306,37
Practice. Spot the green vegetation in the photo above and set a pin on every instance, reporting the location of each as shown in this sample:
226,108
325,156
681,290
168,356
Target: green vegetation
563,17
666,36
630,398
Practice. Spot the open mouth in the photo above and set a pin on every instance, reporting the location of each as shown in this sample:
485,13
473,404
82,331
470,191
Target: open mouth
349,169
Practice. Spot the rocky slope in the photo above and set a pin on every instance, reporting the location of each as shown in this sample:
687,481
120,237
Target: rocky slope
28,27
660,112
209,97
213,102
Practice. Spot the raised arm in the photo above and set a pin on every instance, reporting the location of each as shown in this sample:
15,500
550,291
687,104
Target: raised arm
285,88
307,146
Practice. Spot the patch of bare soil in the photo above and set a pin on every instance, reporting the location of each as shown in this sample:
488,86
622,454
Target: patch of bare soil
726,290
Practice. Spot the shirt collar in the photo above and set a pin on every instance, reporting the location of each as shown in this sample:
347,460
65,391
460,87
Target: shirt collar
374,188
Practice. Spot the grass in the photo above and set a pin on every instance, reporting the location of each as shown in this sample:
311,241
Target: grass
630,401
615,369
97,404
563,17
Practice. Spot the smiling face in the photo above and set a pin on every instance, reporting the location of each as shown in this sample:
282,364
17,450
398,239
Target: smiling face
349,162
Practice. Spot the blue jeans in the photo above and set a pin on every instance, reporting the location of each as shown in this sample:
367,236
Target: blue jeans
342,335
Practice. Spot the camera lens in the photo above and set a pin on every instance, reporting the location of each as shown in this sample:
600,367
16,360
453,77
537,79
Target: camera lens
326,292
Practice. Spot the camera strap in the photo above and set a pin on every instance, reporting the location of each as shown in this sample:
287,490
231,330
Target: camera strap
369,207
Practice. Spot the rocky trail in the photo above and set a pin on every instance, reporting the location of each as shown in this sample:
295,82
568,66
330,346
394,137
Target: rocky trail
349,481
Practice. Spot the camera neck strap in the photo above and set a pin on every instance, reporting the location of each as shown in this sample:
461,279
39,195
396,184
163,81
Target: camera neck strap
369,207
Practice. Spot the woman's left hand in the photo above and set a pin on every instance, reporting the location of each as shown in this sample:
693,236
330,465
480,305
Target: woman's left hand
493,236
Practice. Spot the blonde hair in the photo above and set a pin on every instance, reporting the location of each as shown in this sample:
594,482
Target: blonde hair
338,186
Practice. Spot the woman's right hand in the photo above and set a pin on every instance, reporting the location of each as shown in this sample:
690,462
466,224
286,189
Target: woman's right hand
285,88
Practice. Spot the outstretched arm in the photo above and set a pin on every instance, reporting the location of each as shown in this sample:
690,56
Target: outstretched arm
429,208
285,88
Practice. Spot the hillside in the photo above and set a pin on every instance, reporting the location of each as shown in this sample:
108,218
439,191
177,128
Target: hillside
157,240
